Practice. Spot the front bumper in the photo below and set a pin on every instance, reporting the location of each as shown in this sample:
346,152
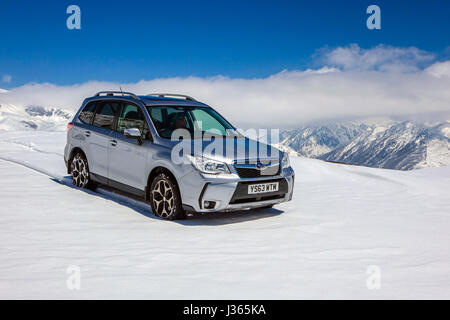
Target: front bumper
228,192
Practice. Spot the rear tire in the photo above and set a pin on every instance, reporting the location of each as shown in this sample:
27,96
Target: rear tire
79,169
165,198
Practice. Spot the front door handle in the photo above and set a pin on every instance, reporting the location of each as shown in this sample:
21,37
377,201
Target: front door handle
113,142
87,133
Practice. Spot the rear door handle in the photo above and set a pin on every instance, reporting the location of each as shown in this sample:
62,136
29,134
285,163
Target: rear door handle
113,142
87,133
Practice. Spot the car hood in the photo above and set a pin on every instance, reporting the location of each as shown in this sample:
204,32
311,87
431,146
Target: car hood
226,150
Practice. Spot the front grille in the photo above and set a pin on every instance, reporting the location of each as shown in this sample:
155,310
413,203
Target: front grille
250,170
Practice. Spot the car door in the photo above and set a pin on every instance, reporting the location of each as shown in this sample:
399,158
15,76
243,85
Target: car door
127,159
99,138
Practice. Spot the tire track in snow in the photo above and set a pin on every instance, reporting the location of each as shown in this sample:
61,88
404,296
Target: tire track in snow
32,167
66,180
63,178
29,146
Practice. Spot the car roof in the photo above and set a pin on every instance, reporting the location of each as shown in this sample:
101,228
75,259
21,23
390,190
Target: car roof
149,100
158,101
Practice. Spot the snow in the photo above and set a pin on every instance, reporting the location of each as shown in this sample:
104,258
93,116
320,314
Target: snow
438,152
15,117
342,220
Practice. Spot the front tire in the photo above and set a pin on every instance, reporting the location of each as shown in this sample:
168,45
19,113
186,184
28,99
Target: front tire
165,198
80,172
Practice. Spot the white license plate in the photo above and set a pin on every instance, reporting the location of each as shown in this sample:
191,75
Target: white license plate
263,188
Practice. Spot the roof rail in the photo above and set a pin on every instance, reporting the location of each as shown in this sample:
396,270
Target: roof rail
112,93
172,95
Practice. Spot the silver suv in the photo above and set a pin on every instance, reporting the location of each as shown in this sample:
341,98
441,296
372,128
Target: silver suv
176,153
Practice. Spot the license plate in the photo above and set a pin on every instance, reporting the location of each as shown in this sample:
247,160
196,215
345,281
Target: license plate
263,188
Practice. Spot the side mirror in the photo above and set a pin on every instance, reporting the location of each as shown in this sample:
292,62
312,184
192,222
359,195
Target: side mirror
133,133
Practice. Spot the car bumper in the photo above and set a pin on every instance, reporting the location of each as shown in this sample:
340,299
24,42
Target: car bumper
229,193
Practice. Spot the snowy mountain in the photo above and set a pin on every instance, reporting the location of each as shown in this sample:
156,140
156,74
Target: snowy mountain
375,143
314,141
18,117
403,146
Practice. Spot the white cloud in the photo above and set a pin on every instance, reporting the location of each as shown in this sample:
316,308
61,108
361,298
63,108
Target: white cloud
439,69
381,58
349,90
6,78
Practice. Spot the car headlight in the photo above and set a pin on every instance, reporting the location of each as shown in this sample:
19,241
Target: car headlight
209,166
285,161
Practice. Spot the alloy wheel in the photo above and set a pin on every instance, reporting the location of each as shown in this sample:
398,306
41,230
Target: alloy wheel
163,199
80,173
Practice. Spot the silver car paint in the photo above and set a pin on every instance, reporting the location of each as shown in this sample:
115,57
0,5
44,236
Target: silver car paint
121,159
128,160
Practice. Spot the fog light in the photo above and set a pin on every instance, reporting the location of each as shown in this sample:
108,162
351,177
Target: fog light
209,204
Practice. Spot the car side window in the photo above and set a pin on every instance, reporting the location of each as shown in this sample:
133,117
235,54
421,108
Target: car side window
87,114
106,114
168,119
131,116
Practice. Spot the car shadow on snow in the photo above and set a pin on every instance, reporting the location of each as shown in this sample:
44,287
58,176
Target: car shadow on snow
223,218
208,219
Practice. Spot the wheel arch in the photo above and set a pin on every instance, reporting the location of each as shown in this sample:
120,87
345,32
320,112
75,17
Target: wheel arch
156,171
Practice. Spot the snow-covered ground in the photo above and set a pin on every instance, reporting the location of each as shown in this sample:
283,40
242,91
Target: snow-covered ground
342,220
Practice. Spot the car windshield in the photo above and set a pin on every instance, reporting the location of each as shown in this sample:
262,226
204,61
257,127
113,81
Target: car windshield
201,120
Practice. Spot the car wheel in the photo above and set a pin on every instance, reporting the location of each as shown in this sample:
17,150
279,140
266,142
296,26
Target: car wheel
165,198
80,172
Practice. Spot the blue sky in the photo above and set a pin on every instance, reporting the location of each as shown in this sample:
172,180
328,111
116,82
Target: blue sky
134,40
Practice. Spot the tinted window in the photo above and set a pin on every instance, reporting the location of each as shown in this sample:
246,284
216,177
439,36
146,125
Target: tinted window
87,114
201,119
168,119
131,116
106,114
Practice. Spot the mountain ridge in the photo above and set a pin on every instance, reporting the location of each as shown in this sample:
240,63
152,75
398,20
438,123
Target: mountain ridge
385,143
